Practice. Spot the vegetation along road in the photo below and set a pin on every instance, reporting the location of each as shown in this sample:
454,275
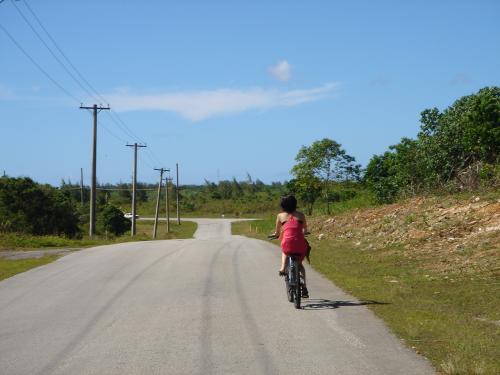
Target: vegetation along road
212,304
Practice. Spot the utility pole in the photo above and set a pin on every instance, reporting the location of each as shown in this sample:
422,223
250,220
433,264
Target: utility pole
167,180
177,193
95,110
158,200
134,186
81,186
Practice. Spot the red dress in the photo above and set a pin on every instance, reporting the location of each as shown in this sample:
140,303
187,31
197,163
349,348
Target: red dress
292,238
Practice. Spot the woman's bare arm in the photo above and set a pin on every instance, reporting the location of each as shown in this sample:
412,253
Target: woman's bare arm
277,231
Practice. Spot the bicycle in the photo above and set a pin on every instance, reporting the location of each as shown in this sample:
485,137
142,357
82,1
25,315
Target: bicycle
293,281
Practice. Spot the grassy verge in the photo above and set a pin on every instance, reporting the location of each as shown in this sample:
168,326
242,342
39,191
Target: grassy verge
16,241
9,267
185,230
453,320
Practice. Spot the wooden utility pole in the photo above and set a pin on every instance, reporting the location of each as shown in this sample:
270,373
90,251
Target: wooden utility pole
177,193
167,205
81,186
95,110
158,200
134,187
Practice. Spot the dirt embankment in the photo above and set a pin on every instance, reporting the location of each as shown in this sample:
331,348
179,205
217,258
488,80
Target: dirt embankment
447,234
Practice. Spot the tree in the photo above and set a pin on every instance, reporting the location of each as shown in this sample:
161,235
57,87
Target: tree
326,161
237,190
141,195
381,177
307,188
225,189
460,144
124,190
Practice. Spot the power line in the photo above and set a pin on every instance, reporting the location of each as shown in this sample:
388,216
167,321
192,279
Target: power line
50,50
124,128
109,189
115,118
44,72
113,134
91,91
113,115
118,120
62,52
118,189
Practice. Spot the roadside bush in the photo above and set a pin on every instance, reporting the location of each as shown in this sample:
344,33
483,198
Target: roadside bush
28,207
111,220
489,175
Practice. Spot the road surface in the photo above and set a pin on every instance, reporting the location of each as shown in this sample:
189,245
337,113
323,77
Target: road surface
209,305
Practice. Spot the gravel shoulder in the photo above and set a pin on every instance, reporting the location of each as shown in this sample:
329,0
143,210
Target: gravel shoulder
34,254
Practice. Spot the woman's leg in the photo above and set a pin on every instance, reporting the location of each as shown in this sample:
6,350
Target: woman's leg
302,271
283,261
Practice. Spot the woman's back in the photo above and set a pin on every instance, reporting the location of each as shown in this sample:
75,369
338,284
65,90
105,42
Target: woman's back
292,235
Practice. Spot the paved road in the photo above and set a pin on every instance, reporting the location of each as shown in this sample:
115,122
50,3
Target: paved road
210,305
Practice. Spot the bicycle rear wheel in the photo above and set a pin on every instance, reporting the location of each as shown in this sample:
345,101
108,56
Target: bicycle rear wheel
296,288
289,293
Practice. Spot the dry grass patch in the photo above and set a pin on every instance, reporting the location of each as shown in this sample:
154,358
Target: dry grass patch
445,233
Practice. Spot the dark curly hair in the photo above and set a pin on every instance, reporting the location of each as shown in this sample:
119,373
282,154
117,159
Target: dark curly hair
288,203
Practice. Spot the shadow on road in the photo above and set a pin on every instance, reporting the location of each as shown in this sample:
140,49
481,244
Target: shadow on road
326,304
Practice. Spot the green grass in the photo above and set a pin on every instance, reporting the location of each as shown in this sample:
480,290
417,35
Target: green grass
256,228
145,230
363,199
10,267
12,241
449,319
18,241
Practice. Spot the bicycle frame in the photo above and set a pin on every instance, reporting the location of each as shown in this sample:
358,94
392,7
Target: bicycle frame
293,282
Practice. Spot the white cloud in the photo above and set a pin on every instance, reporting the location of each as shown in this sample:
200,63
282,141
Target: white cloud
282,70
200,105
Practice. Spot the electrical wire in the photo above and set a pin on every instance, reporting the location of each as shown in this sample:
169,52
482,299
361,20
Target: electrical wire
113,115
50,50
44,72
118,120
90,90
62,52
104,126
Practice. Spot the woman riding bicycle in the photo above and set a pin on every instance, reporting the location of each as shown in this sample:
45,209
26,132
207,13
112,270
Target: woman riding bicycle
290,228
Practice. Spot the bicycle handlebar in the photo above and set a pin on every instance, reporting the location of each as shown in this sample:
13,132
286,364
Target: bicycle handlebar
275,237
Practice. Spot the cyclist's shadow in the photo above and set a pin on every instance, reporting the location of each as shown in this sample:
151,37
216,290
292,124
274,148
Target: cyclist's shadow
326,304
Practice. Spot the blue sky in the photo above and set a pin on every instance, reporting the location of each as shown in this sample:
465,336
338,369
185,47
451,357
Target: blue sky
227,88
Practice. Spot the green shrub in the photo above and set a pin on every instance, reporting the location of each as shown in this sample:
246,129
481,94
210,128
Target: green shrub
28,207
111,220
